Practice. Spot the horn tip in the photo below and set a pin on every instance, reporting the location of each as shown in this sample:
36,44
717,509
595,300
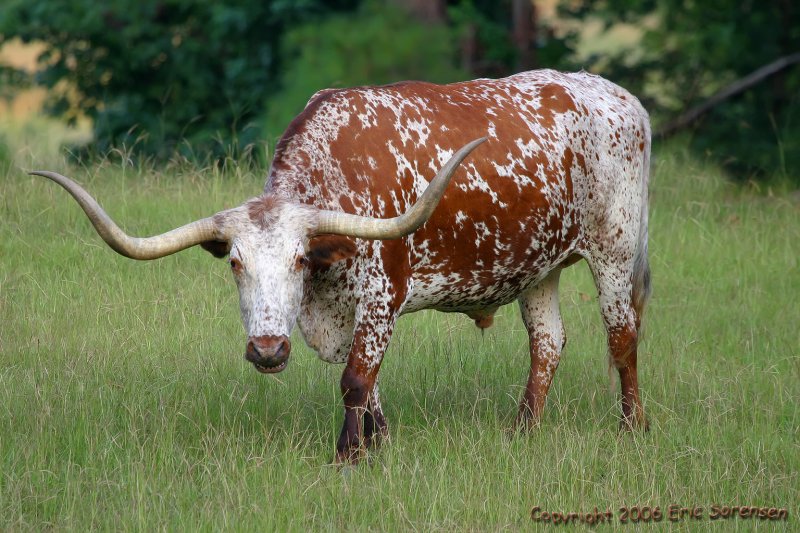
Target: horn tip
476,142
54,176
42,173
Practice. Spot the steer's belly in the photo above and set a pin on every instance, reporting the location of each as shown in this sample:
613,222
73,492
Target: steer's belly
474,290
455,293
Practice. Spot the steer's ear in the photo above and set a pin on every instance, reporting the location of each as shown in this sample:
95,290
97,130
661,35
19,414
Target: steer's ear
325,250
217,248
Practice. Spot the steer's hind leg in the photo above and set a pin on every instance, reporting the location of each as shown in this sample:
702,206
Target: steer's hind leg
542,317
621,319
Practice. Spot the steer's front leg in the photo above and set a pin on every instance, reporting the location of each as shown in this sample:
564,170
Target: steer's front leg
376,430
363,420
383,284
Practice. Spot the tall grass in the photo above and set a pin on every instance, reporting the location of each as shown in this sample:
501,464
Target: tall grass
125,402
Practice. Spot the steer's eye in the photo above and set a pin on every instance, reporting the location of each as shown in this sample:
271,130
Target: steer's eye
302,261
236,265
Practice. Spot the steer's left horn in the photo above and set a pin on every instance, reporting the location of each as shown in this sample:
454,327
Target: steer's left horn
196,232
392,228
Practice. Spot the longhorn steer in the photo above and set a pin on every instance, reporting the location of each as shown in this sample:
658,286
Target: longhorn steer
562,176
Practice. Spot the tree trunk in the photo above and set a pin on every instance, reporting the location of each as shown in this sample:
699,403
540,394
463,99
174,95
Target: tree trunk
429,11
469,49
524,34
781,96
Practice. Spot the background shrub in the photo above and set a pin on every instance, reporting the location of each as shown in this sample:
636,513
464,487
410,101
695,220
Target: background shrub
376,45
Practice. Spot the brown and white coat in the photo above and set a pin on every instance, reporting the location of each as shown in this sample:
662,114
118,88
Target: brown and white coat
562,176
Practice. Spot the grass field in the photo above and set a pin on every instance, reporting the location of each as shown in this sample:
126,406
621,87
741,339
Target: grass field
125,403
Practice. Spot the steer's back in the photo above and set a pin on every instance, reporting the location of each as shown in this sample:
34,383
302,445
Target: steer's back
562,169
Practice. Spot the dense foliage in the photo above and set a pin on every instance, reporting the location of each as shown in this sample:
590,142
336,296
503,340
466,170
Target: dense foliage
692,49
383,42
158,75
376,45
204,78
207,79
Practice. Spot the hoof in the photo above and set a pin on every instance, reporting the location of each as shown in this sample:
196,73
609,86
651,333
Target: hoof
375,440
349,457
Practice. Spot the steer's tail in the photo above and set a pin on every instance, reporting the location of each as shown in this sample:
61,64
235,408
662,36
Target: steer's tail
641,266
640,276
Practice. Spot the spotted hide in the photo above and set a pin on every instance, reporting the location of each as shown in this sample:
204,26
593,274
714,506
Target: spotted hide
562,177
544,169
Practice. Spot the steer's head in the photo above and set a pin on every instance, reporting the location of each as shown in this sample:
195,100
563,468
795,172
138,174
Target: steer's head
266,241
268,250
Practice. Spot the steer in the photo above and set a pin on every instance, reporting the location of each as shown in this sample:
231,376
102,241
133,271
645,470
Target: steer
351,231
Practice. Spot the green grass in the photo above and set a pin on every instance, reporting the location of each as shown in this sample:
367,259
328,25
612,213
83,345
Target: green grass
125,402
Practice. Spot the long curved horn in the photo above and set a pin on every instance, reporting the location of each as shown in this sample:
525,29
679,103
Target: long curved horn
392,228
202,230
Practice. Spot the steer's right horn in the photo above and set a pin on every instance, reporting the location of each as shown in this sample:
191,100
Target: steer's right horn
196,232
363,227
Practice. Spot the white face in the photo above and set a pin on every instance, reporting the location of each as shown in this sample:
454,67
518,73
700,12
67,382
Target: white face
270,282
267,258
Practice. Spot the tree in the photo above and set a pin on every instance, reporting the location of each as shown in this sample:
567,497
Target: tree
192,77
504,36
160,76
694,50
390,45
524,32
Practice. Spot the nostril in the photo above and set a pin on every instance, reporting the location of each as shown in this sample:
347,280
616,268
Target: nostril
251,351
283,349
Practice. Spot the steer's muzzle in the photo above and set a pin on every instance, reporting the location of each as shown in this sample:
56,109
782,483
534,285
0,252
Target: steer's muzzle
268,353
